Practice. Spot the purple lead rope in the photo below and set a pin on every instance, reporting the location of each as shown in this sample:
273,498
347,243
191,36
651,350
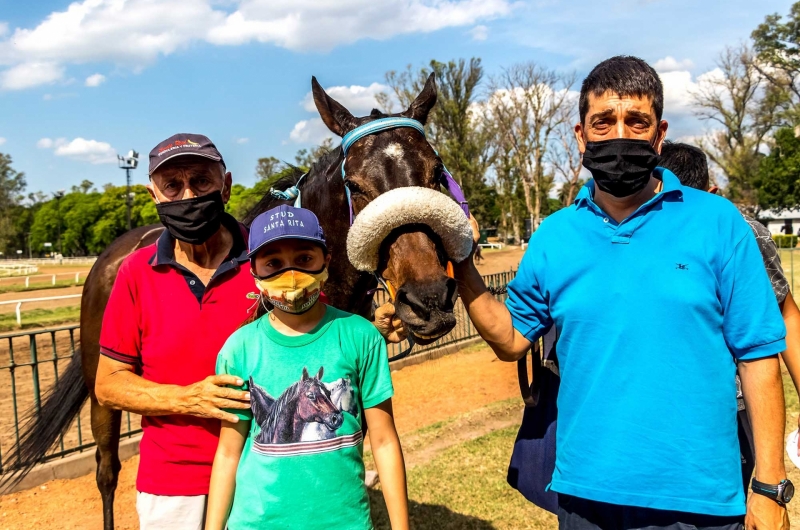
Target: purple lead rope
455,190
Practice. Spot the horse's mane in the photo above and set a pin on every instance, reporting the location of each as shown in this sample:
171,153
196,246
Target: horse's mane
321,166
268,429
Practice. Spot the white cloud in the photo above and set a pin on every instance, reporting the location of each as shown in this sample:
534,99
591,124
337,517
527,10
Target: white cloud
135,33
479,33
322,25
679,89
28,75
241,140
2,140
311,131
80,149
359,100
95,80
670,64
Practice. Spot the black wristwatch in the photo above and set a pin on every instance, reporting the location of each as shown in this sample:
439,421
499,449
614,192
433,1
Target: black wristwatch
781,493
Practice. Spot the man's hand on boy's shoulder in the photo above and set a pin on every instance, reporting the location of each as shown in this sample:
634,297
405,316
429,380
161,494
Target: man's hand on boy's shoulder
388,324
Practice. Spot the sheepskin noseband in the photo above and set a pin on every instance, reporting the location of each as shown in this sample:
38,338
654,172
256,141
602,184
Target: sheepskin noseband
404,206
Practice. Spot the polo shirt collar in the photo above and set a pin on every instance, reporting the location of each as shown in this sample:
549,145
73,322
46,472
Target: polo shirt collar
165,246
670,185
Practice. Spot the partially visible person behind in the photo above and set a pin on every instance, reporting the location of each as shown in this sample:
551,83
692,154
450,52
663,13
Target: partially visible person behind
313,373
690,165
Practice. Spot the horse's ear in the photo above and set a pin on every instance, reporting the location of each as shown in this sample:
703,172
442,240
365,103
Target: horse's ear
333,114
305,374
421,107
319,375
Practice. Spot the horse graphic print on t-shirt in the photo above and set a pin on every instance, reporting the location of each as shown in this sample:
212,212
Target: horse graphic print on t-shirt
304,418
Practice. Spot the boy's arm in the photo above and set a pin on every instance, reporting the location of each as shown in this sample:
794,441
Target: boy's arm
223,475
388,455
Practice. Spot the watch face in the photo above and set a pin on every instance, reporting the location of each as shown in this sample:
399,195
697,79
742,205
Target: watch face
788,491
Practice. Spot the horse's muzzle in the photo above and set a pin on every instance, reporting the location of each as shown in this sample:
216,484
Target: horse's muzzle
426,308
334,420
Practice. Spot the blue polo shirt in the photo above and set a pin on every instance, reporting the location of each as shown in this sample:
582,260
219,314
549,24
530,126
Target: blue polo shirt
652,313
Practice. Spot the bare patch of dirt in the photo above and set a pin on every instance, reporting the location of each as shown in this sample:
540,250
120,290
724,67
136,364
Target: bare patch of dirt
425,394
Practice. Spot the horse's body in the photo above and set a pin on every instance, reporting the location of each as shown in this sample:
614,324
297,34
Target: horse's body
411,258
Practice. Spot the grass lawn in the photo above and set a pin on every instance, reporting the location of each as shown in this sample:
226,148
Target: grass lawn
40,318
465,488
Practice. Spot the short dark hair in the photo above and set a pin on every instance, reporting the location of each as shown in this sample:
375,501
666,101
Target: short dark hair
624,75
688,162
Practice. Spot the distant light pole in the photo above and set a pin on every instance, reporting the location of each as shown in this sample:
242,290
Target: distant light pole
58,196
127,163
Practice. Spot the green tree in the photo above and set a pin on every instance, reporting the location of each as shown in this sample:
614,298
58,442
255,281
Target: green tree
776,43
12,184
305,158
778,180
743,112
459,135
266,167
243,199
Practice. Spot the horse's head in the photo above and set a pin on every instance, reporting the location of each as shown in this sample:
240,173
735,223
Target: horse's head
343,397
314,402
412,258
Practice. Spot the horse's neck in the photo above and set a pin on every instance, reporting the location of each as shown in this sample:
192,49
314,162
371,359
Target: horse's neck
284,423
346,287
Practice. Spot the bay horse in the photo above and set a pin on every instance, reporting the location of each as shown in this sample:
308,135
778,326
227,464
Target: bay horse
412,259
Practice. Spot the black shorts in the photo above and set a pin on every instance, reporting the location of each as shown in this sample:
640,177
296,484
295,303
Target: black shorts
747,448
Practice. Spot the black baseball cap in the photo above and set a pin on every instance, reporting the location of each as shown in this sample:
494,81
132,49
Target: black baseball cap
183,144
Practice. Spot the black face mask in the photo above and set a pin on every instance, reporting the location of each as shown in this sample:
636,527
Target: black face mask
620,166
193,220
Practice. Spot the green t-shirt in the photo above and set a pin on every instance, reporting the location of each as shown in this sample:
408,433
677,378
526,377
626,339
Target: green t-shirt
302,464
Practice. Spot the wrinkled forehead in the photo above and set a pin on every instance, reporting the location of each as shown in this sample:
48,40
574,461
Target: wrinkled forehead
613,104
189,167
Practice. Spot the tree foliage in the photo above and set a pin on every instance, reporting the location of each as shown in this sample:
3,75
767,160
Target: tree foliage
743,111
12,184
778,180
776,42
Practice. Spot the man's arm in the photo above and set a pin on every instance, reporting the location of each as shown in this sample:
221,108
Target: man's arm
490,316
119,387
763,396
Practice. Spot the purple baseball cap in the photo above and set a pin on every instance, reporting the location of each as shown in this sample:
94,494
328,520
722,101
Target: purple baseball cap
284,222
183,144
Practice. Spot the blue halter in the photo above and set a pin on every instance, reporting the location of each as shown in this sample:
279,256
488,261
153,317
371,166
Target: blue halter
373,127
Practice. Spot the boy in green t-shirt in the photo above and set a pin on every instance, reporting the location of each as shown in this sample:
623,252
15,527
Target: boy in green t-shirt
295,459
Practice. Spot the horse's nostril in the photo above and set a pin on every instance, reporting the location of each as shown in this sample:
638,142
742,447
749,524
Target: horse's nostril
412,300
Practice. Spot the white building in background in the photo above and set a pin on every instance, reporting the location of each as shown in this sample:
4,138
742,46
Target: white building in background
783,222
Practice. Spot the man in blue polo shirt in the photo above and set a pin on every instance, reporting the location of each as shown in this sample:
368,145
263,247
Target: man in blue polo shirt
646,436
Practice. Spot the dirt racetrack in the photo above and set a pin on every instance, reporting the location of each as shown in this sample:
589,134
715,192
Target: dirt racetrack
424,394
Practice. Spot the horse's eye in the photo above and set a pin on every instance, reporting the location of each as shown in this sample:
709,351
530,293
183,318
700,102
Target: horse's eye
352,186
310,395
438,172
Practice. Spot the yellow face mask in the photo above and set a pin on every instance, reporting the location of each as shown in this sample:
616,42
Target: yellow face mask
293,290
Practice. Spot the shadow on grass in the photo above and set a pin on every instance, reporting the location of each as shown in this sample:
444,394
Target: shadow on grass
425,516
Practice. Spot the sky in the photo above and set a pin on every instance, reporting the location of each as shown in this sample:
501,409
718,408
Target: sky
81,82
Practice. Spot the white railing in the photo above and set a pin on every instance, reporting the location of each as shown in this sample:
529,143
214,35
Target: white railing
84,260
52,277
29,300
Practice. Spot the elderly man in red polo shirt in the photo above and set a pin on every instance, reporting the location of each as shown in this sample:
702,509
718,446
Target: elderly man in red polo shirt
173,305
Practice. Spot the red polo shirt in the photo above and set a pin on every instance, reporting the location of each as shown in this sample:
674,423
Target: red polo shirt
165,322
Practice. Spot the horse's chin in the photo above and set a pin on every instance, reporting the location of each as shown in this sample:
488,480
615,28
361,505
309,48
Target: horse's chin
431,332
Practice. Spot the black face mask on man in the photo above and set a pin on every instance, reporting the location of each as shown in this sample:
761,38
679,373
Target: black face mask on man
620,166
193,220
